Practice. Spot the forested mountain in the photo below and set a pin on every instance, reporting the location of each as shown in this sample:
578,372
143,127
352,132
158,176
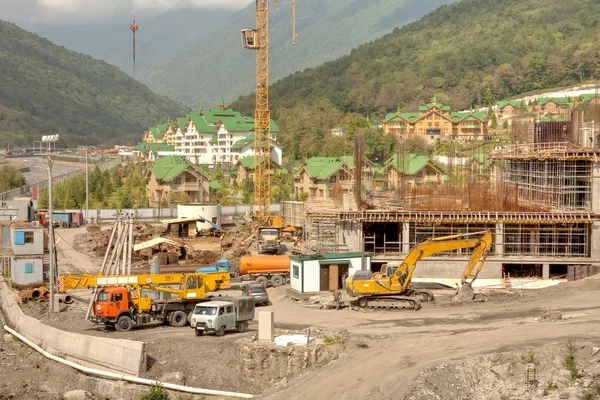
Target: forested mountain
469,53
158,37
47,89
216,65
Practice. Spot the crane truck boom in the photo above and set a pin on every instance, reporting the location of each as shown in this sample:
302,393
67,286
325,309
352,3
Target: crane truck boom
124,307
394,290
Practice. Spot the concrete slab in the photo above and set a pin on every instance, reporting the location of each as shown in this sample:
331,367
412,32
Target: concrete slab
266,326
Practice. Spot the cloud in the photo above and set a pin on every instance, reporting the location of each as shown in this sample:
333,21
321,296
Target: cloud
88,11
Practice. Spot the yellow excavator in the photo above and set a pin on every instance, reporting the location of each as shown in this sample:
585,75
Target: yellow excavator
391,288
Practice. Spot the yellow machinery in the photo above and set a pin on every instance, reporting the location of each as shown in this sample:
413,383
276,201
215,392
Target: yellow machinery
392,289
191,286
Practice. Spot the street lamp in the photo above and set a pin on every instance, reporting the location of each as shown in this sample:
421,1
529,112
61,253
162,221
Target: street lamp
51,141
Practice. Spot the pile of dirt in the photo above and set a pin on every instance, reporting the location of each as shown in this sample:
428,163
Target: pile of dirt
203,257
560,371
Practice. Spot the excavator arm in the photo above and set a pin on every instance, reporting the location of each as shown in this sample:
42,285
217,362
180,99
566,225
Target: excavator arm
481,246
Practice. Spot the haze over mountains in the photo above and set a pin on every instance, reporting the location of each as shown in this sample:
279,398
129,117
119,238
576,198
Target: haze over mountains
195,55
47,89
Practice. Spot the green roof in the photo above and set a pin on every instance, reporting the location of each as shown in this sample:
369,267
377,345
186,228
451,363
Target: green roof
247,162
561,101
348,160
407,116
514,103
155,132
434,103
167,168
470,127
214,185
242,142
588,97
412,163
181,123
467,116
200,123
153,147
214,138
323,167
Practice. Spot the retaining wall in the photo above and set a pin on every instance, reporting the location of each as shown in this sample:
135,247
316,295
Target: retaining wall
120,355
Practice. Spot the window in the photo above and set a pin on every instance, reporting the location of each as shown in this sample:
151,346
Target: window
28,237
177,181
191,283
296,271
29,268
117,297
19,238
229,309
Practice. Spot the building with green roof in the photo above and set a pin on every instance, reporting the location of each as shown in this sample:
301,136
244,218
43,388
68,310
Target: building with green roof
434,121
217,136
325,178
553,105
590,98
413,170
176,174
152,151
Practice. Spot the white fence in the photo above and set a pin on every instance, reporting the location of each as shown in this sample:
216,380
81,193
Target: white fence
156,214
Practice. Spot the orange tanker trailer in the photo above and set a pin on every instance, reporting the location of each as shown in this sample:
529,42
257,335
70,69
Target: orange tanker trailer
265,269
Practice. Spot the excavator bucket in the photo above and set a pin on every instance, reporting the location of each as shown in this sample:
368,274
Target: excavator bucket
465,294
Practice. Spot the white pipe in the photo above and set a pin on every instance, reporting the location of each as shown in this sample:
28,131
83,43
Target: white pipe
123,377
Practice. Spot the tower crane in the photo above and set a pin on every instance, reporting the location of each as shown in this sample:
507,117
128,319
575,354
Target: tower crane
258,39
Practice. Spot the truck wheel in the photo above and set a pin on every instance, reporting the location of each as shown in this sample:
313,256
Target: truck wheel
178,319
124,324
262,280
242,326
363,302
220,331
277,280
199,332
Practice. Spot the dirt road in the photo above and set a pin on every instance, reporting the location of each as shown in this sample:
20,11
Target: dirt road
400,346
71,261
385,351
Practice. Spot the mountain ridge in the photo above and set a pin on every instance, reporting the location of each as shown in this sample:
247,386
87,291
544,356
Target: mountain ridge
47,89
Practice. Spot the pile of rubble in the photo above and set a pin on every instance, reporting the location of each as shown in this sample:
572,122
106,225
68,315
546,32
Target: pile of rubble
203,257
95,239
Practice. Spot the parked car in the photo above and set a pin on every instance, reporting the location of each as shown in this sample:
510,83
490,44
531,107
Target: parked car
258,291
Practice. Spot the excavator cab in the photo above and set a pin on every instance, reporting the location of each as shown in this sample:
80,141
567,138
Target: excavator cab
250,39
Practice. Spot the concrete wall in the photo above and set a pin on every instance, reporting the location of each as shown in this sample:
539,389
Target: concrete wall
453,268
114,354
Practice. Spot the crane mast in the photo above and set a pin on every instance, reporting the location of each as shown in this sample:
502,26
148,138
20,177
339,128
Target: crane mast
258,39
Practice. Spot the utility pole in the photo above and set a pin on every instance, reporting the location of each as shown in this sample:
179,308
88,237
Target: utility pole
87,200
51,233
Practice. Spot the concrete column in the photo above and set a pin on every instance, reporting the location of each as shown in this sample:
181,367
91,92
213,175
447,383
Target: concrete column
594,241
595,200
405,248
266,326
499,239
546,271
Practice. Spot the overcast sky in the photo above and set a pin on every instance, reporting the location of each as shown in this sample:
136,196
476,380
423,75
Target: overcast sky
27,12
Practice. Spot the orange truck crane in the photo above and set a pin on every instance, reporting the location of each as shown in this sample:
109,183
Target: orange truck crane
122,305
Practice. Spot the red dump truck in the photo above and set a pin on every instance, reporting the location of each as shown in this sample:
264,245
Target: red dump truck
265,269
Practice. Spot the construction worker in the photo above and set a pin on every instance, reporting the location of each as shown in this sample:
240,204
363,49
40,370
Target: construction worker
337,297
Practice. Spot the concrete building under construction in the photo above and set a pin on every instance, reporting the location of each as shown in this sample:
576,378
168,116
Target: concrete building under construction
540,200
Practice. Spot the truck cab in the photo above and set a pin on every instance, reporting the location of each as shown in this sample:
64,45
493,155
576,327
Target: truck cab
111,302
220,265
269,239
221,315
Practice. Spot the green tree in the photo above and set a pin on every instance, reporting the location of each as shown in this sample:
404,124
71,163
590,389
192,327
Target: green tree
125,197
178,198
10,178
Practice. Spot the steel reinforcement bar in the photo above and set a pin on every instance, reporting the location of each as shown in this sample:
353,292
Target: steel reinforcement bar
456,217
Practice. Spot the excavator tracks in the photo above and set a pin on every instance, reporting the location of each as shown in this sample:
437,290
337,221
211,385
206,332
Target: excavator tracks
390,302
